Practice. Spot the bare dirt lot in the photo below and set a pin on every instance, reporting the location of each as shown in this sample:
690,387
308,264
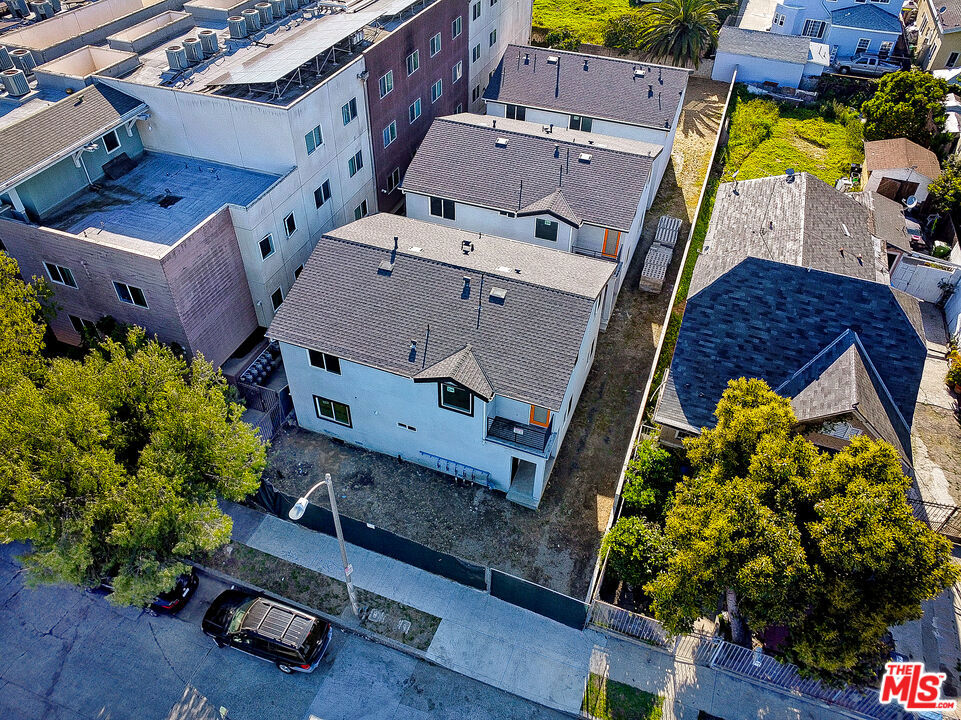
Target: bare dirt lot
557,544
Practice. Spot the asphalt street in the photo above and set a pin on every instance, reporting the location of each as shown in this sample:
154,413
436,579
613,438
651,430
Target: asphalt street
66,654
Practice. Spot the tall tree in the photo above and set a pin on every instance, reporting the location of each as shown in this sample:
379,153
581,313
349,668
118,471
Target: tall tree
622,33
787,536
682,30
21,324
907,104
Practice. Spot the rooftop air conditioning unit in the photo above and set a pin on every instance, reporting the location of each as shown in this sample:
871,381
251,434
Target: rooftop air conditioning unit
252,18
56,5
177,58
208,42
238,27
19,7
278,8
266,13
15,82
291,6
43,10
23,59
5,62
194,50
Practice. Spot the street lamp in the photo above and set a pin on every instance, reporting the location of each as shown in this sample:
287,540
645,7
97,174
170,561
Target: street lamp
297,512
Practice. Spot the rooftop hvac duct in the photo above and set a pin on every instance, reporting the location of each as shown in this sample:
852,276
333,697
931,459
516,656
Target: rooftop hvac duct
177,58
5,62
208,42
266,13
23,59
238,27
19,7
291,6
279,8
15,82
193,50
42,9
252,18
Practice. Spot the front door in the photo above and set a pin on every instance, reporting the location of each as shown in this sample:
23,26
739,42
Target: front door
612,242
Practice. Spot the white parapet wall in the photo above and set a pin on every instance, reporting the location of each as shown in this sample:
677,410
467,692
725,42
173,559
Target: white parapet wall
75,70
152,32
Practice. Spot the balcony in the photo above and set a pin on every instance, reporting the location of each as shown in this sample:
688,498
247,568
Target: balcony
531,438
598,254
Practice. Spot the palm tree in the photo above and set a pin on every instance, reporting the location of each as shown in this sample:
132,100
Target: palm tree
682,30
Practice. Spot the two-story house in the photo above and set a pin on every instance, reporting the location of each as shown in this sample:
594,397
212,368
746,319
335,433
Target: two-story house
848,27
564,189
591,94
457,350
939,34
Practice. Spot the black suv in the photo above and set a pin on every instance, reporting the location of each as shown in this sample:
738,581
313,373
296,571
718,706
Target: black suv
267,629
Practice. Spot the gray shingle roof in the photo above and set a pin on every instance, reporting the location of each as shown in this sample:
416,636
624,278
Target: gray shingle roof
886,219
554,204
804,222
768,319
50,133
462,367
866,17
524,346
607,89
763,44
461,160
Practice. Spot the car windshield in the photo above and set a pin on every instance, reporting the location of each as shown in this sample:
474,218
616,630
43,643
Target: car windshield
239,614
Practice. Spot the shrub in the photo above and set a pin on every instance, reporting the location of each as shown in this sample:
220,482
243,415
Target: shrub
563,39
636,551
941,251
954,372
650,479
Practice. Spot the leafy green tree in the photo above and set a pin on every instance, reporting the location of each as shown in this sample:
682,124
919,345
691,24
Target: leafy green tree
622,33
636,551
682,30
649,480
111,467
564,39
907,104
787,536
21,324
945,190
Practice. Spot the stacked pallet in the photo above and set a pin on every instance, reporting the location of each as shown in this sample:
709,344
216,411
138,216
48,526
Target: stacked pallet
659,255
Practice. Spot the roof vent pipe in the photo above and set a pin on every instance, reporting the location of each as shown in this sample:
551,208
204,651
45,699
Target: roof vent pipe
15,82
193,50
23,59
252,18
5,62
177,58
278,8
237,26
266,13
208,42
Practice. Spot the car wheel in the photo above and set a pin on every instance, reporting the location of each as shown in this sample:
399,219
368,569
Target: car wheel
220,643
286,669
845,71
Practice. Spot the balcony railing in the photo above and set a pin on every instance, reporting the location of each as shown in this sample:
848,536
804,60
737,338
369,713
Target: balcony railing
521,435
599,254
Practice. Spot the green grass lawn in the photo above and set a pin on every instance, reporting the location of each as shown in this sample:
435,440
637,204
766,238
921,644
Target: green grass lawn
585,18
611,700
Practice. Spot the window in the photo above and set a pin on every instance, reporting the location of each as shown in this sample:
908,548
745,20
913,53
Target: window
863,45
779,19
393,180
457,398
475,53
413,112
579,122
81,325
885,49
516,112
322,194
435,45
330,363
60,274
493,3
952,60
413,62
390,133
459,108
314,139
540,416
290,225
332,410
267,246
386,83
129,294
456,27
457,71
545,230
436,90
475,10
442,208
297,270
813,28
277,298
111,143
475,93
349,110
355,163
493,37
360,211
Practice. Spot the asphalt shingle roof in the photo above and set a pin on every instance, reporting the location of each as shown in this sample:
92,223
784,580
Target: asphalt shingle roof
886,219
900,153
50,133
524,346
951,17
607,88
866,17
460,159
461,367
763,44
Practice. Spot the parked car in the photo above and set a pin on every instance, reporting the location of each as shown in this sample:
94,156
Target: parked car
267,629
866,65
170,601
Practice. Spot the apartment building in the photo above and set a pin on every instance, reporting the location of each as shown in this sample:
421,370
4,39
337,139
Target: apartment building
493,26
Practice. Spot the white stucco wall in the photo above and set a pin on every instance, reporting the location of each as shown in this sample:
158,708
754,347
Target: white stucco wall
900,174
756,70
512,20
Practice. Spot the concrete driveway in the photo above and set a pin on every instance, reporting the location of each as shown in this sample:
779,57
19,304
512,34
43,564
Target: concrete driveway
69,655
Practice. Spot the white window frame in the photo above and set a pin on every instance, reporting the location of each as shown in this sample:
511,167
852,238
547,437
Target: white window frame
439,88
475,11
349,111
475,53
457,72
456,27
116,288
361,211
393,180
435,44
59,278
413,62
289,221
324,190
314,136
414,111
493,38
948,63
276,306
269,237
390,133
811,23
115,137
355,163
779,19
386,83
866,42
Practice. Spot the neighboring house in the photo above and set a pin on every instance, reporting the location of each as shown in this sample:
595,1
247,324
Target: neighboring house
939,42
589,93
899,169
148,238
886,221
763,57
460,351
564,189
494,25
952,121
848,27
792,287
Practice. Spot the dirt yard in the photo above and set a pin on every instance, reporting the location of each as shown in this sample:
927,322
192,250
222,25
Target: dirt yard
557,544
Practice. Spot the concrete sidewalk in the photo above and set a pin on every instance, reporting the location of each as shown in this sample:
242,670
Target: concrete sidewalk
520,651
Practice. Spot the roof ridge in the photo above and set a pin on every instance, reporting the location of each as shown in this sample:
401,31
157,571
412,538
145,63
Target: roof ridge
876,376
814,359
558,51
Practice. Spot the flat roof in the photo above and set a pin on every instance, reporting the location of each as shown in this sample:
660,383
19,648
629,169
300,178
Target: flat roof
130,206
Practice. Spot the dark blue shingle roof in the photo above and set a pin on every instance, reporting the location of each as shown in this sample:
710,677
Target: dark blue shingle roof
866,17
